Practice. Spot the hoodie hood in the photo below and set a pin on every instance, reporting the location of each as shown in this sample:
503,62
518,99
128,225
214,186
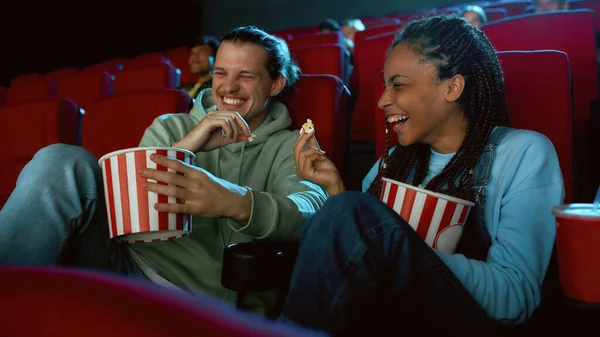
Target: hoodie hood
278,119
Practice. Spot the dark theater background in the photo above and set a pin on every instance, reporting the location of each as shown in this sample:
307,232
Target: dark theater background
50,35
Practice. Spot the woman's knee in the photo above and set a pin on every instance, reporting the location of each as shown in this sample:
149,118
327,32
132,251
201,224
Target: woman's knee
347,209
64,154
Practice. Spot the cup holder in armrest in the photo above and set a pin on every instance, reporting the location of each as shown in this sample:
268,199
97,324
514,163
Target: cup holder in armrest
258,266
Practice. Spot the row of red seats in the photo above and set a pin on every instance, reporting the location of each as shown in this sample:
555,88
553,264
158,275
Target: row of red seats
119,122
146,72
570,31
152,72
493,13
69,302
87,88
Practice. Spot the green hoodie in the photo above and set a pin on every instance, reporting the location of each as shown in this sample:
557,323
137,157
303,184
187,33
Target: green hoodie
280,200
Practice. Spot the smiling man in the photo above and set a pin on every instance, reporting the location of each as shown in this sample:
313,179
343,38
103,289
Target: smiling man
243,186
247,188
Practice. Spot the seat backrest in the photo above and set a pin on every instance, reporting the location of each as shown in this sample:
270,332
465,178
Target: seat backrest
545,106
329,59
145,60
375,22
111,66
71,301
321,98
118,122
156,77
570,31
179,58
495,14
24,79
26,128
61,73
512,7
528,91
316,40
369,56
389,28
297,32
37,124
31,91
589,4
85,89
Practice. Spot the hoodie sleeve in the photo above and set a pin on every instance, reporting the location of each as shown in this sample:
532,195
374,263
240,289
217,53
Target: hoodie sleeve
157,134
281,213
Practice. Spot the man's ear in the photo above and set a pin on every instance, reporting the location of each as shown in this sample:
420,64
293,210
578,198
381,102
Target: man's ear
454,88
277,86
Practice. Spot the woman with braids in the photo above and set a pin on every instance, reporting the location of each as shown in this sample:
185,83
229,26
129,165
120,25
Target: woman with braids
362,270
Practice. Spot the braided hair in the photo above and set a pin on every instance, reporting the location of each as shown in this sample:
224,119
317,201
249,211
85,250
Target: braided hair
454,47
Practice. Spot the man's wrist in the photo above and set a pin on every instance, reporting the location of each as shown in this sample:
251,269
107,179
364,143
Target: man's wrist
242,206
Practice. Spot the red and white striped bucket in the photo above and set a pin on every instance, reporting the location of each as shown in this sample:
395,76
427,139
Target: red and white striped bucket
436,217
130,208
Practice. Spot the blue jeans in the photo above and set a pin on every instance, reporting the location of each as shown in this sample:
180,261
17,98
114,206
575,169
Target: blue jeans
363,271
56,215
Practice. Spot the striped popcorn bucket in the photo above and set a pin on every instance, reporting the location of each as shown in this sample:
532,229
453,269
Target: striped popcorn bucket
437,218
130,208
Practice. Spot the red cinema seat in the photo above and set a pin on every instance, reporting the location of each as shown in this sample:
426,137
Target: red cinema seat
329,59
111,66
85,89
119,121
589,4
570,31
321,98
296,32
31,91
389,28
23,79
317,40
145,60
156,77
61,73
495,14
512,7
372,23
68,302
26,128
527,93
526,76
369,56
179,57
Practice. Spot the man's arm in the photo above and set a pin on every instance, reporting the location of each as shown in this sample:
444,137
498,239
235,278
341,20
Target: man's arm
280,213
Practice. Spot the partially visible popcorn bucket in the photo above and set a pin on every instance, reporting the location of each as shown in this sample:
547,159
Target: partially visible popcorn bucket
437,218
130,208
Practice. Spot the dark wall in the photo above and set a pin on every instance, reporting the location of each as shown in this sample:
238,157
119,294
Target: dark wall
44,36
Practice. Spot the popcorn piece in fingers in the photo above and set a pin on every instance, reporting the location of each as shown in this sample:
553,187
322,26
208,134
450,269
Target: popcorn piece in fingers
308,126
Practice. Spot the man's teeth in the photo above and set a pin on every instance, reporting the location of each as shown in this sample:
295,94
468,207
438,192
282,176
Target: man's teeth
396,118
232,101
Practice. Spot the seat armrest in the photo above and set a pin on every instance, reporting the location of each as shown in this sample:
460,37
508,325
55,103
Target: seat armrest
258,266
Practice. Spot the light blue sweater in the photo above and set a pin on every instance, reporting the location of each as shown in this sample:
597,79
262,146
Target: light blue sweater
525,183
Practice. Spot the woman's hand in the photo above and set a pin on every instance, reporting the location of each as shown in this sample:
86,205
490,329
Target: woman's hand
314,166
